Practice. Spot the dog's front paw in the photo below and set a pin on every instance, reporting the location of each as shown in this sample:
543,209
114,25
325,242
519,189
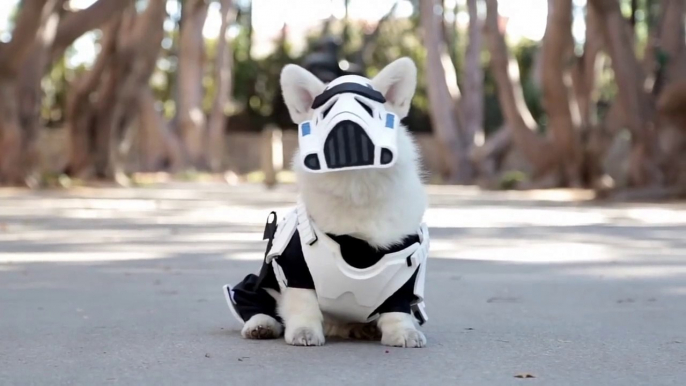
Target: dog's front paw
404,338
399,329
261,326
305,336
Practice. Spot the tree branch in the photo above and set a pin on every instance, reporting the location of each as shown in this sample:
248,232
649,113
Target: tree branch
75,24
13,53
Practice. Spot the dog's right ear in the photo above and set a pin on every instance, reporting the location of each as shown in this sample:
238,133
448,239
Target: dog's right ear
299,88
397,82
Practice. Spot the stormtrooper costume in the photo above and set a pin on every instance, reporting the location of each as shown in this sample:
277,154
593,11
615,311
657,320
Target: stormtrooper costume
354,282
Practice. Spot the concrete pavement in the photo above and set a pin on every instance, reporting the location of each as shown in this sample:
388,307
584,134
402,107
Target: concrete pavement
118,286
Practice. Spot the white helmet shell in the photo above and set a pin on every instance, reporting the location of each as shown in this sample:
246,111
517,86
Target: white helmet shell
350,129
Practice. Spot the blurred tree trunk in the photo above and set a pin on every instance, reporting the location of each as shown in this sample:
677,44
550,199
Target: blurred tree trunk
487,157
81,114
558,98
72,25
138,50
104,103
192,123
44,30
160,147
671,98
595,137
635,101
473,100
671,40
443,95
451,35
29,93
223,68
12,55
536,149
585,73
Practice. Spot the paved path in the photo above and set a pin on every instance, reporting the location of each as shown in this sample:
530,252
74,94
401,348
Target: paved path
123,287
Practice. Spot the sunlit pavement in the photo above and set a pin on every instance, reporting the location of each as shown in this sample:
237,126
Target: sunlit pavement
120,286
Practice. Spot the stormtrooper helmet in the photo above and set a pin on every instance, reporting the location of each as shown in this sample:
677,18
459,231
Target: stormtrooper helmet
349,129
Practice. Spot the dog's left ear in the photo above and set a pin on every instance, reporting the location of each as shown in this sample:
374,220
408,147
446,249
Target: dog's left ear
397,82
299,88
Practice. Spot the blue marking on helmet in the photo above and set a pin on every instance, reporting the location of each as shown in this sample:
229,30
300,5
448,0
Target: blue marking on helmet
305,127
390,120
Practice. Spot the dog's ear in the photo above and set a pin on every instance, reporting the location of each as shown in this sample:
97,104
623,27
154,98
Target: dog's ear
397,82
299,88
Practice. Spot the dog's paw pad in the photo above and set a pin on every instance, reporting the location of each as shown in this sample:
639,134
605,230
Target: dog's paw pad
261,332
307,337
261,327
405,338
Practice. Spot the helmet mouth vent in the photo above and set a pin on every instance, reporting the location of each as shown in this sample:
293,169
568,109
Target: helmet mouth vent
348,145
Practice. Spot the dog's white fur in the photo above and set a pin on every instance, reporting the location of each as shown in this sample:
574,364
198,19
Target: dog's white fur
379,206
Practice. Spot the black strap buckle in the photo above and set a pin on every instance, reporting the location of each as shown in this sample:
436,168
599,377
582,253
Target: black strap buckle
269,231
418,315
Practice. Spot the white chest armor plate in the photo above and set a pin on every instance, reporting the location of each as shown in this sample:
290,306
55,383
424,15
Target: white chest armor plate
346,293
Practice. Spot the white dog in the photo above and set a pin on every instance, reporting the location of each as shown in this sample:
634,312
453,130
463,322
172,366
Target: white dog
368,213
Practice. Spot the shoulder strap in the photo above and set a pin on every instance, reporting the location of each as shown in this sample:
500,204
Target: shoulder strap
307,235
422,257
295,219
283,234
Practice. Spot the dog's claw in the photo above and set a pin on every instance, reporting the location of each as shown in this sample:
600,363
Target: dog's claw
306,337
406,338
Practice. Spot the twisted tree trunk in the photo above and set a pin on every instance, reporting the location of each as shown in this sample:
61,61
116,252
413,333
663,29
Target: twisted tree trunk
223,68
29,93
443,95
12,55
536,149
558,98
44,30
636,103
473,100
191,57
105,102
81,114
160,148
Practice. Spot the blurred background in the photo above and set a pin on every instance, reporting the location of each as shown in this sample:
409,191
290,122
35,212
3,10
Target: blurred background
512,94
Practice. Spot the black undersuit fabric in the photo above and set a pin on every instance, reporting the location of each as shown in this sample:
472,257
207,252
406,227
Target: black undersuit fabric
251,298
